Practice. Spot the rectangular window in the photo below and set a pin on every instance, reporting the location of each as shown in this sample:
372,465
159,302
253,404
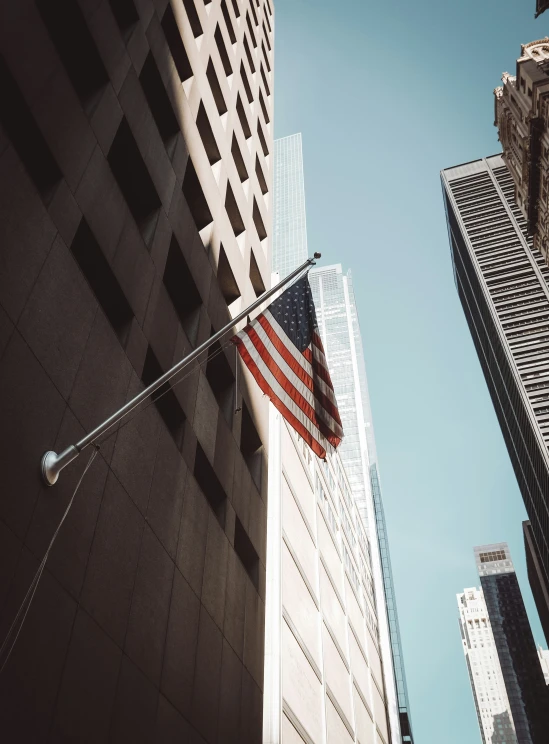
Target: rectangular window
206,133
76,48
259,226
236,8
243,118
134,181
262,139
210,485
228,22
216,88
249,55
250,29
246,552
220,376
234,213
255,276
126,16
251,445
194,196
164,398
102,280
265,57
192,15
239,160
260,176
26,137
244,77
264,78
176,46
223,52
159,103
263,107
182,290
225,279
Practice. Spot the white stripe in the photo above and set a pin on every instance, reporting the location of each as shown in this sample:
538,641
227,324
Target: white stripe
298,356
306,392
280,393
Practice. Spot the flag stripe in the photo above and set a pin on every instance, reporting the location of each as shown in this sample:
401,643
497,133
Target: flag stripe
303,375
304,433
262,357
300,358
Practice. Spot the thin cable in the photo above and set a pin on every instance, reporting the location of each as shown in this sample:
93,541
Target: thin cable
29,596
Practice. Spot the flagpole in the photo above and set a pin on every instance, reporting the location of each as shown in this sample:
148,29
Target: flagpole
52,463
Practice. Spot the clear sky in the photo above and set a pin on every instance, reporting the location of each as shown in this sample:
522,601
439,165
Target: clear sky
386,94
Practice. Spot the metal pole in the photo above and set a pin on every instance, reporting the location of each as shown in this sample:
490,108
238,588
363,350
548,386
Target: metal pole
52,463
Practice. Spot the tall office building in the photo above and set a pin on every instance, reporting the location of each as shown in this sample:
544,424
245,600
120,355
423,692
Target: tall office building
503,285
289,221
544,661
517,652
324,680
135,151
340,330
484,668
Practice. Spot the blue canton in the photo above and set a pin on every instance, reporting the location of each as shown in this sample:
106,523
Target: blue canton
294,311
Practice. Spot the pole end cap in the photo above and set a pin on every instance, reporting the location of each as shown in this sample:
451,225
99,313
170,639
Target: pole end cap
50,472
317,255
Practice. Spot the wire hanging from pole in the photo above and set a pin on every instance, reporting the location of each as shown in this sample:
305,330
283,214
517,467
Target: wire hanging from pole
23,610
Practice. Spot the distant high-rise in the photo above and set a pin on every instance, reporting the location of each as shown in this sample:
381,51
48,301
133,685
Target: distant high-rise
503,285
340,330
483,665
517,652
544,661
289,223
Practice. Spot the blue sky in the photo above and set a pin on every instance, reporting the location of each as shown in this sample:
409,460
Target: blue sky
385,95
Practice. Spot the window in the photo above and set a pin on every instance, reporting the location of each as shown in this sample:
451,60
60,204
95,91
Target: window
263,107
251,446
236,8
239,160
26,137
126,16
176,46
182,291
249,94
233,212
260,176
223,52
264,78
259,226
192,191
210,485
243,118
221,379
102,281
216,88
255,276
250,29
134,181
262,139
76,48
164,398
206,134
225,279
246,552
249,55
159,103
265,56
228,22
192,15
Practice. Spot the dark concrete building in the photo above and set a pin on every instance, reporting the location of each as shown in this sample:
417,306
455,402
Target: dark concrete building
537,578
503,285
518,657
135,150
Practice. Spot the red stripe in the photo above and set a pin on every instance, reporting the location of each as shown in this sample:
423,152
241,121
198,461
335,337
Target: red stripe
290,389
296,367
275,400
322,372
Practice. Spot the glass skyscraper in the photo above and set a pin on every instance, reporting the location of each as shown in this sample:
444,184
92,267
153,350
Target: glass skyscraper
289,224
339,327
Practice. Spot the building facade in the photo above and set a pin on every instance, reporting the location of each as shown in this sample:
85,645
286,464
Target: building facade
543,654
484,669
522,118
289,215
324,678
536,578
502,282
516,649
135,168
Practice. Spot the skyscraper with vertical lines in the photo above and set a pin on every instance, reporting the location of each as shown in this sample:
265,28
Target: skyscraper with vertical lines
503,285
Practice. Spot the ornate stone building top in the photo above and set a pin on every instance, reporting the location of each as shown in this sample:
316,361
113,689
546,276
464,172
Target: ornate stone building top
521,116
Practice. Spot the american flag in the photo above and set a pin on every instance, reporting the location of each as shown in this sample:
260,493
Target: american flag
283,351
